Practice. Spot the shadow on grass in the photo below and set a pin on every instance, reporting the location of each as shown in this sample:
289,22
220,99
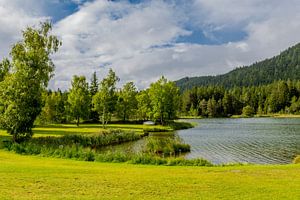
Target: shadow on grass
73,126
55,132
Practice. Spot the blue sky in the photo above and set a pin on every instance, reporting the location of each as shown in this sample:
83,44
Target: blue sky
63,8
144,39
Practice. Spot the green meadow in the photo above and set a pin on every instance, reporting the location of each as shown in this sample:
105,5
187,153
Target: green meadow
37,177
34,177
63,129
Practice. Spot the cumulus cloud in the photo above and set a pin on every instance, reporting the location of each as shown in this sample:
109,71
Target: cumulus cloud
139,41
114,35
14,18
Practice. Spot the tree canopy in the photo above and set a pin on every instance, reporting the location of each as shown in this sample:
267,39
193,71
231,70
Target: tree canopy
127,101
23,79
79,99
164,96
105,100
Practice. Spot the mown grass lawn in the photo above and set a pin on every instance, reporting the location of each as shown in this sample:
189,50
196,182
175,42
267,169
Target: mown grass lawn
63,129
33,177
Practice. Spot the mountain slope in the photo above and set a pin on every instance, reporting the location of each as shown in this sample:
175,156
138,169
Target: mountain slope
284,66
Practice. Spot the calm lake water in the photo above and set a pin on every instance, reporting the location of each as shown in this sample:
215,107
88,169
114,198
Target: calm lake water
251,140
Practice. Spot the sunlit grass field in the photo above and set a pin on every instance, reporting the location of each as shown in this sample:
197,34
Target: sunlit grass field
33,177
63,129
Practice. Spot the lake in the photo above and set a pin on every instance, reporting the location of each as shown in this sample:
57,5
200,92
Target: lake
251,140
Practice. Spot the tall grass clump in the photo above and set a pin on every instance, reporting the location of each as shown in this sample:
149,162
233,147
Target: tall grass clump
78,147
148,159
166,146
115,157
179,125
296,160
155,129
78,152
85,148
105,138
185,162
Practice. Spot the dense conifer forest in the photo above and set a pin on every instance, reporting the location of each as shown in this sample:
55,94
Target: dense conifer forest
217,101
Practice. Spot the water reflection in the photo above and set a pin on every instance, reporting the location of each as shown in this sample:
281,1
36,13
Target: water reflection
257,140
156,143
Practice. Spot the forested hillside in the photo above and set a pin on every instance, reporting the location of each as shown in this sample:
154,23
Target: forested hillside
282,67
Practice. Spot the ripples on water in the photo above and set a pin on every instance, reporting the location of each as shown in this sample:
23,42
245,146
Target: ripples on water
251,140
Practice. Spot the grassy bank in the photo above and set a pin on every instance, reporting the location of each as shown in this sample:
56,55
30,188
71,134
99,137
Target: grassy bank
33,177
64,129
85,143
286,116
269,115
255,116
157,151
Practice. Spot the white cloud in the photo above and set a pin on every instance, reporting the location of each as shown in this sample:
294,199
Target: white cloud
15,16
115,33
137,40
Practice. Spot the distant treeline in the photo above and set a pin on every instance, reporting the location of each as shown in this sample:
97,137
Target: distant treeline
102,101
217,101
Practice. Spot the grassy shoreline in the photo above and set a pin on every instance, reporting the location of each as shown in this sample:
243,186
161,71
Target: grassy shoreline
255,116
34,177
84,142
37,177
64,129
269,116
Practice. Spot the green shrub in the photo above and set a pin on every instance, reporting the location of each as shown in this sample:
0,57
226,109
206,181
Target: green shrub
248,111
78,152
155,129
110,137
179,125
5,144
80,147
147,159
296,160
185,162
166,146
88,156
112,157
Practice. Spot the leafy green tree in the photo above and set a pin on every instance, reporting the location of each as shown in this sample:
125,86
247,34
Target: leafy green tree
185,102
227,104
105,100
248,111
21,87
48,111
144,105
212,107
94,86
61,99
193,111
295,105
4,68
164,99
127,101
172,99
79,98
54,108
203,107
278,97
260,110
